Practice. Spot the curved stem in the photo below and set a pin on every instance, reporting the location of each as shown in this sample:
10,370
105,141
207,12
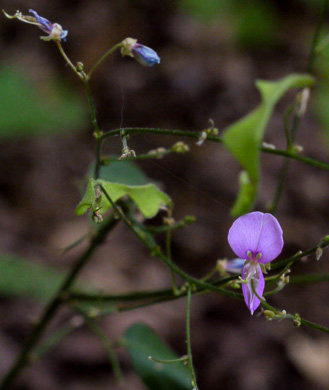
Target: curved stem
112,50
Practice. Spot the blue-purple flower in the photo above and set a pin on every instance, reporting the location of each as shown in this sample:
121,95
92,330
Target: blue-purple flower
143,54
54,30
257,238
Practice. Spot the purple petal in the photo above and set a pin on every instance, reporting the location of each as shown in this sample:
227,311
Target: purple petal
145,55
43,21
256,232
254,272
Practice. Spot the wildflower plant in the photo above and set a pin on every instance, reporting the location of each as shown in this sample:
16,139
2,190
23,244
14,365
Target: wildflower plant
256,237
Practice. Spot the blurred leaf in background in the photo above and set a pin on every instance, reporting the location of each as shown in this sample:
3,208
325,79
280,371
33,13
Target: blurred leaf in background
141,342
28,109
22,277
253,23
321,92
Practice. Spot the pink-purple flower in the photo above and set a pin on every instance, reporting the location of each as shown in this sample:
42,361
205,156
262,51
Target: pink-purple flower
257,238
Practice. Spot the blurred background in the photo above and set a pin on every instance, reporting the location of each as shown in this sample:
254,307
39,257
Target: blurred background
212,51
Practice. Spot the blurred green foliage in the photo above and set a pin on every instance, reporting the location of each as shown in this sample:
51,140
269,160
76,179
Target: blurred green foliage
253,23
21,277
142,342
27,108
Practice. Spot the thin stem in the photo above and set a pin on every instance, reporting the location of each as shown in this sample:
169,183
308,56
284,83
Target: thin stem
169,257
295,318
24,357
309,278
68,61
196,135
297,157
188,339
112,50
103,338
323,243
97,132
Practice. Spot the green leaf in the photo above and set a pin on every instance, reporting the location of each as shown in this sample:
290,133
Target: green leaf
246,196
142,342
124,172
148,198
243,139
88,199
28,108
21,277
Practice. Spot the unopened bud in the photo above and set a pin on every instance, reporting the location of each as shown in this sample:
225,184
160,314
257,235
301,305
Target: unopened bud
318,253
79,67
298,148
202,138
180,147
189,219
302,102
268,146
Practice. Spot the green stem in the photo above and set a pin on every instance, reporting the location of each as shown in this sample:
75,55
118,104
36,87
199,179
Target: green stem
196,134
169,257
112,50
24,357
309,278
188,339
68,61
97,132
323,243
295,317
102,337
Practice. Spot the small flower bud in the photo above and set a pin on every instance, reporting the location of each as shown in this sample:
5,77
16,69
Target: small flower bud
169,221
180,147
143,54
202,138
298,148
189,219
268,146
318,253
302,101
79,67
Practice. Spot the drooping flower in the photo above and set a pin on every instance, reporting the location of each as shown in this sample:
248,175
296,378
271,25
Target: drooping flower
257,238
143,54
54,30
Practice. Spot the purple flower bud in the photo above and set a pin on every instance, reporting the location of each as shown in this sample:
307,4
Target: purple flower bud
257,238
143,54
